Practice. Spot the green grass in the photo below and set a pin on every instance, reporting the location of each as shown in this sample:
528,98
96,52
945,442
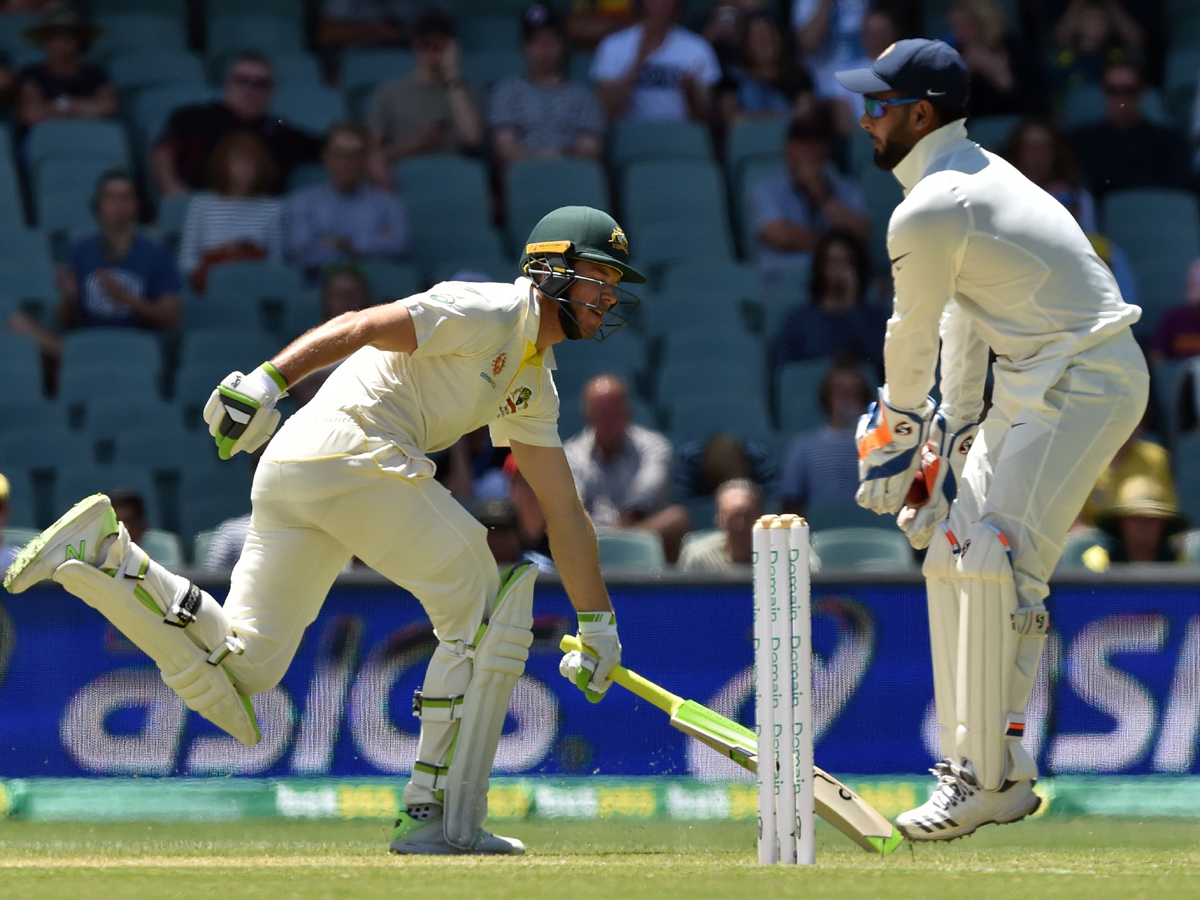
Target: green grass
1091,859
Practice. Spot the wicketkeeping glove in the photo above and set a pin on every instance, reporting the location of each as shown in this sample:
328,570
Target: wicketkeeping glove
241,412
888,442
950,441
589,670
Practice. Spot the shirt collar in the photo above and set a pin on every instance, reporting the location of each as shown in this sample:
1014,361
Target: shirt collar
533,320
927,151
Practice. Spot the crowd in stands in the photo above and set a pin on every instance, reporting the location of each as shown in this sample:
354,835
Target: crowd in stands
351,151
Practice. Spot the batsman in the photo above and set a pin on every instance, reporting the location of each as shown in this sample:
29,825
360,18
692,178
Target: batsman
350,475
983,258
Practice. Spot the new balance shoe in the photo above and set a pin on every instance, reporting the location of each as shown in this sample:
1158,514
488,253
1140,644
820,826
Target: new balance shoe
958,806
82,533
419,832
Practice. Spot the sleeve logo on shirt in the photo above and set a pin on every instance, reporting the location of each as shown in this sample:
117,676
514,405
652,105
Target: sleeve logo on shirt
518,399
441,298
498,363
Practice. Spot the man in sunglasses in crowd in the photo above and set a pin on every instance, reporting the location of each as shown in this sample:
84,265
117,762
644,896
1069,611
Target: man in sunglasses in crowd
179,158
350,475
983,258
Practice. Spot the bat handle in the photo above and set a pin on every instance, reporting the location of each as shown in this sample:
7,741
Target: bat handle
632,681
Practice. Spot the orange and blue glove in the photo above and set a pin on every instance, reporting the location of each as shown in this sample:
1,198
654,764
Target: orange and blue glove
889,442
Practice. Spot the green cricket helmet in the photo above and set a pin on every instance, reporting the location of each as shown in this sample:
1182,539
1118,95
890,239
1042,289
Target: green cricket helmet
580,232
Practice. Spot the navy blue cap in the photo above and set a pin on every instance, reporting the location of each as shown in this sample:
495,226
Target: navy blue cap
930,70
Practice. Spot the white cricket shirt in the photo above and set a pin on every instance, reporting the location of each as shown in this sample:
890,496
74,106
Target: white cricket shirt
476,364
982,257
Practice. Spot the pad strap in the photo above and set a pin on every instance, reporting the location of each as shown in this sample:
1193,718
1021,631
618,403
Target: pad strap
429,776
183,611
437,709
231,644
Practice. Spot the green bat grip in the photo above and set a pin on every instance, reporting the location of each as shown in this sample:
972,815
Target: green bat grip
633,682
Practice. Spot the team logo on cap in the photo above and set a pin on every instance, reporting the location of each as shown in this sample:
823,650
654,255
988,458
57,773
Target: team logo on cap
887,50
619,241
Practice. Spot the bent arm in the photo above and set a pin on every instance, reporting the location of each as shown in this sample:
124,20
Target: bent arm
388,327
964,365
572,537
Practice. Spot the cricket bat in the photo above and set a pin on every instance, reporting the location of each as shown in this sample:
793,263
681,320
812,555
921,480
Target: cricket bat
835,803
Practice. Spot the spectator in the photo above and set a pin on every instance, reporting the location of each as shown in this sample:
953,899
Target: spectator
791,211
703,466
531,521
225,547
828,34
622,470
878,31
235,220
344,288
739,503
181,158
836,319
1089,35
724,28
130,509
63,86
656,70
821,466
472,468
344,218
1005,77
364,23
116,277
8,552
590,21
542,115
1138,458
1142,518
1124,150
431,110
499,516
1177,335
763,80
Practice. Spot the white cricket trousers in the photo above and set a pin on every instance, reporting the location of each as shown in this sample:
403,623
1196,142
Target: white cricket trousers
1033,464
324,492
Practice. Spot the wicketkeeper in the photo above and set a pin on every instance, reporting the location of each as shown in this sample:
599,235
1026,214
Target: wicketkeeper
350,475
982,257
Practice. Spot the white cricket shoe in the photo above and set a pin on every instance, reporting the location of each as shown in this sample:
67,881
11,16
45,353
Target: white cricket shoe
82,533
419,832
958,806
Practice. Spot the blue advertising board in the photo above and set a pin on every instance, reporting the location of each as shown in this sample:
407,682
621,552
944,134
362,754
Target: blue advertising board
1119,690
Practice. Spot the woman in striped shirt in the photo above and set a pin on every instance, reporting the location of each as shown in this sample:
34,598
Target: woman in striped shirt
235,220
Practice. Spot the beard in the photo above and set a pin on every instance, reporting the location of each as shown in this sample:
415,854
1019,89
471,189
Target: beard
891,155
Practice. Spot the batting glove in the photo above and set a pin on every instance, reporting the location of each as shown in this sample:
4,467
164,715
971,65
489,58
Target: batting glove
888,442
943,460
589,669
241,412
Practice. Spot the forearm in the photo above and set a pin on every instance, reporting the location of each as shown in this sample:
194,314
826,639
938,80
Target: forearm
699,102
812,34
615,95
508,147
467,123
573,546
788,238
333,341
162,314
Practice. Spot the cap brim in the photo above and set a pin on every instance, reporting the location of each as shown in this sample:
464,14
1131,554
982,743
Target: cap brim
862,81
629,274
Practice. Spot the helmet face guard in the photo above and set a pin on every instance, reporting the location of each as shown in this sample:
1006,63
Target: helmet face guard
553,275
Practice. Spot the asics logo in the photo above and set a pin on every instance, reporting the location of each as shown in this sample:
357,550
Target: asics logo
72,553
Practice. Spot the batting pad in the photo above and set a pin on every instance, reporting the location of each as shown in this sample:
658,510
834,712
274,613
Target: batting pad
500,656
942,596
195,675
999,647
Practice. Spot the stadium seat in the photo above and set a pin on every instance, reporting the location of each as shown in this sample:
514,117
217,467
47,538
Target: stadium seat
192,386
696,415
390,280
172,211
152,67
43,448
18,410
1085,106
22,509
629,548
482,32
311,108
1179,83
233,32
712,278
114,347
1190,545
883,194
153,105
74,482
485,68
440,251
992,132
752,138
209,496
28,282
59,211
444,191
77,139
12,30
77,385
67,175
138,32
19,380
24,245
299,315
17,352
535,187
1160,232
655,245
164,547
637,141
235,348
297,69
579,66
364,69
19,537
863,548
254,281
677,376
219,311
200,545
106,418
174,9
1187,475
750,174
838,514
798,406
306,175
671,190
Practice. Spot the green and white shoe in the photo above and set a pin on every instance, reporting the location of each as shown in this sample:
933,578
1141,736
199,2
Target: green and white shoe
419,833
82,533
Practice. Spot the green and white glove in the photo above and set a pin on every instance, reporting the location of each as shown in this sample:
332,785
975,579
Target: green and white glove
241,412
589,670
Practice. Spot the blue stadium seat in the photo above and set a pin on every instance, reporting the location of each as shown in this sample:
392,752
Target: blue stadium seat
193,384
485,68
299,314
484,32
685,190
12,30
863,548
472,266
232,32
306,175
719,409
283,9
175,9
843,514
535,187
106,418
172,211
579,66
679,240
1191,547
750,174
638,141
439,251
77,139
113,347
254,280
153,67
27,282
677,378
797,402
236,348
443,190
630,549
153,105
68,175
43,448
1179,82
19,379
297,69
18,410
74,482
25,245
1085,105
164,547
77,385
166,447
22,509
712,277
219,311
992,132
370,66
883,194
751,138
210,495
59,211
314,109
138,32
391,280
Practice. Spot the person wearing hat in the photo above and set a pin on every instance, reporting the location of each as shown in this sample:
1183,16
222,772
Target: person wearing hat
1142,519
541,114
7,551
350,475
63,86
983,258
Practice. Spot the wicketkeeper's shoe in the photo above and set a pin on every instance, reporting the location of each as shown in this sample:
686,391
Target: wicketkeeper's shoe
82,533
419,832
958,806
